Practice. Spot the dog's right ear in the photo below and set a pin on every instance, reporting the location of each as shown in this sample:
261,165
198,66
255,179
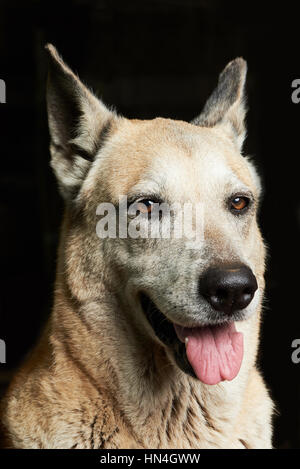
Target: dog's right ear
78,125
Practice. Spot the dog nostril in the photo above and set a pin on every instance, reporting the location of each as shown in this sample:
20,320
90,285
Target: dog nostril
221,294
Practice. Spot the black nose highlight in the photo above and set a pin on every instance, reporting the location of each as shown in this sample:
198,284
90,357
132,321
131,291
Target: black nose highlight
228,289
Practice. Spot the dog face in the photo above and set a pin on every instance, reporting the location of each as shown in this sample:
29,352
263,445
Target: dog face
182,293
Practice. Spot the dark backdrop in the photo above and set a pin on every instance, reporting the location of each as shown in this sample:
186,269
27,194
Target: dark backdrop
149,58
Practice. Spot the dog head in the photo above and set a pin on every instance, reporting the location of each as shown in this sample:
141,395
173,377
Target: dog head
187,290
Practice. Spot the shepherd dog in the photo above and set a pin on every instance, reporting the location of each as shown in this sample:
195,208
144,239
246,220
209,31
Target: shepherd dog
152,341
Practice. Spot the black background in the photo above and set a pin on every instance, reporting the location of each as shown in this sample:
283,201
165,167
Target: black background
148,59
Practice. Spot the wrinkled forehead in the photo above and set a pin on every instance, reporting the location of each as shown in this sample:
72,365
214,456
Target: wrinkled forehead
174,159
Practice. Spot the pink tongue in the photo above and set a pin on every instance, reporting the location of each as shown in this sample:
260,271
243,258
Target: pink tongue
214,352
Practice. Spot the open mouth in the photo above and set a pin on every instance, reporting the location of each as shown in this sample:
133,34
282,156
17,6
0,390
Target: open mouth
211,353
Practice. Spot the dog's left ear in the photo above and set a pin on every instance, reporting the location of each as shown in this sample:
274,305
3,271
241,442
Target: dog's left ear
226,106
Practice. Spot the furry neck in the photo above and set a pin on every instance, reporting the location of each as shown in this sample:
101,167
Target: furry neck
148,389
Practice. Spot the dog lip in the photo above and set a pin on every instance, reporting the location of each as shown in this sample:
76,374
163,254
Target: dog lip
149,307
148,304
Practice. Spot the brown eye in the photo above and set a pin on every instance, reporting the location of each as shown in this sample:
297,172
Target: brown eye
239,203
145,206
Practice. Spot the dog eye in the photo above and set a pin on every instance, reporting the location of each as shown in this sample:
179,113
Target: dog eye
145,206
239,203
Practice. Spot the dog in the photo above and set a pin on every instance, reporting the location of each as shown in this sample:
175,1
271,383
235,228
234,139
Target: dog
152,342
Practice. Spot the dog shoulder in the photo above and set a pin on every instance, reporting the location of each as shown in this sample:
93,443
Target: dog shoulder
45,411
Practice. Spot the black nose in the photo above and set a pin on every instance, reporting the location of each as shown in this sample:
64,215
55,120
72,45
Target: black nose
229,288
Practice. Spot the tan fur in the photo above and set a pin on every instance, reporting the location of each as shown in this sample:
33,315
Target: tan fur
98,377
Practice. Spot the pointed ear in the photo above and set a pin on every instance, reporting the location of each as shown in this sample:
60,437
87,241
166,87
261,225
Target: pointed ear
226,105
78,125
